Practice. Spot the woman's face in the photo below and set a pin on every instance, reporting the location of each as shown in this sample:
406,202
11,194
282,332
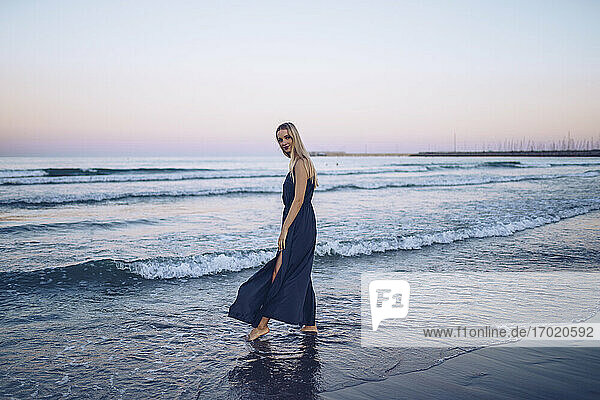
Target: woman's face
285,140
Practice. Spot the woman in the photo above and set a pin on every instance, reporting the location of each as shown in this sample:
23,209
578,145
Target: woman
282,289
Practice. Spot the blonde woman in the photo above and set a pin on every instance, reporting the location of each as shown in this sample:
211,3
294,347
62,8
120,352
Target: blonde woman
282,289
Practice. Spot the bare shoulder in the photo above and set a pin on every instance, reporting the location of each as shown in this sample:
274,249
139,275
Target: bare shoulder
301,171
301,166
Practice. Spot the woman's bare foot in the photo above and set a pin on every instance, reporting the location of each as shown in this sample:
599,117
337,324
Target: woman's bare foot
309,328
257,332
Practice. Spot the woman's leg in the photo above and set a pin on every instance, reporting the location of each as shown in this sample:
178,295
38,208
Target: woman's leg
277,266
309,309
262,327
264,321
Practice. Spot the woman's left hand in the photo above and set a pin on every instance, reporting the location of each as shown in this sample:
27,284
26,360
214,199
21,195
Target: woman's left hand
281,241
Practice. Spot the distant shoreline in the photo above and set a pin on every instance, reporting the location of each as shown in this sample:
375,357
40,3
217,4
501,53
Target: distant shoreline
534,153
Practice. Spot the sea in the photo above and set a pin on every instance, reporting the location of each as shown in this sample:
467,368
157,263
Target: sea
116,273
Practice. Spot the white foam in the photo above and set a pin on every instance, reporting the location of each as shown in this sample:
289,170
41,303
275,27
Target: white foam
17,173
412,242
197,265
206,264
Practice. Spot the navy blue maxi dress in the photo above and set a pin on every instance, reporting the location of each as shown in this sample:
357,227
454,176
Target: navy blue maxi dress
290,298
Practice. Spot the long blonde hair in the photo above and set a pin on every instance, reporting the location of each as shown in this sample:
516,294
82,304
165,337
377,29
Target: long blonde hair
298,152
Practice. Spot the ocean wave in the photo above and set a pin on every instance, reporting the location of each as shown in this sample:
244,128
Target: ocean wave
590,164
483,164
491,164
352,248
40,177
57,200
53,176
69,172
57,172
56,226
495,164
456,180
52,200
197,265
120,272
154,177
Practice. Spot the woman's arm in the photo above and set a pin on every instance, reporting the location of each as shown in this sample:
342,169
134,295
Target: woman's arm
300,188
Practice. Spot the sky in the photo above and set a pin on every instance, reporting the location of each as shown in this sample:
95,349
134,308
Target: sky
214,77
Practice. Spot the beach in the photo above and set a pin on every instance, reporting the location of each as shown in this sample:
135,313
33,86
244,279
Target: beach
493,373
504,371
117,274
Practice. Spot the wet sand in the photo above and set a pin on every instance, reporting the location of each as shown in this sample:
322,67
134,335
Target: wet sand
498,372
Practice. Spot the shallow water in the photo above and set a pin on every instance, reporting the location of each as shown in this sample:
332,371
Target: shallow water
119,286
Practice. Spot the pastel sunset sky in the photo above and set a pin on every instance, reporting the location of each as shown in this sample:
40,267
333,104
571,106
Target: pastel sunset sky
214,77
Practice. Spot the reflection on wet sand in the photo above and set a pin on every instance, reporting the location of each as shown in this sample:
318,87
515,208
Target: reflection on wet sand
267,373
